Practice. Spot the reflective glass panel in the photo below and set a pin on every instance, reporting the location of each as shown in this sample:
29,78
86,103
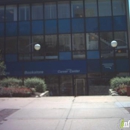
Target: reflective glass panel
105,40
64,42
11,44
2,17
92,41
11,13
77,9
24,44
53,85
51,47
66,85
90,8
24,12
2,29
78,42
37,11
78,54
104,7
50,11
63,9
2,44
118,7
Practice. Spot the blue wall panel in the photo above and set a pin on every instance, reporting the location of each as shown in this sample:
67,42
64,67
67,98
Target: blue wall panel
77,25
37,27
24,28
11,29
64,26
105,23
91,24
120,23
50,27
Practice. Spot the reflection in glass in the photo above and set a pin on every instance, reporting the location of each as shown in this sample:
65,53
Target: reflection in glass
107,54
2,13
50,11
118,7
80,84
63,10
92,41
77,9
78,41
11,13
53,85
37,11
122,74
104,7
90,8
51,47
99,86
24,12
2,44
11,44
23,44
66,85
38,55
121,49
64,42
79,55
105,40
94,75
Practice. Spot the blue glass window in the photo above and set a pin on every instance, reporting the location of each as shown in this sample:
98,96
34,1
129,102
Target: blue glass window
122,65
93,54
108,65
1,29
120,23
24,28
37,27
64,26
11,29
105,23
51,27
77,25
91,24
11,57
65,55
93,66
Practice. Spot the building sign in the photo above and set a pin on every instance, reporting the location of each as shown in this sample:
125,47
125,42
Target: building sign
68,71
47,67
108,65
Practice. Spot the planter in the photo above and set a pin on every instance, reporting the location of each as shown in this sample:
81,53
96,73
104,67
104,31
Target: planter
128,91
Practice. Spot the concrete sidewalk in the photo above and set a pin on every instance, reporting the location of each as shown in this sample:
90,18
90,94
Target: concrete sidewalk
64,113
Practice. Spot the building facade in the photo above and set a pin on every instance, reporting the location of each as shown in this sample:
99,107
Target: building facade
76,57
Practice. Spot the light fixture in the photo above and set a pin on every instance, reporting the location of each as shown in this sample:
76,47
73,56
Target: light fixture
37,47
114,43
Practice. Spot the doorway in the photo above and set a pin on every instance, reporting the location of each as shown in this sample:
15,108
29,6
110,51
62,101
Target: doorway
79,87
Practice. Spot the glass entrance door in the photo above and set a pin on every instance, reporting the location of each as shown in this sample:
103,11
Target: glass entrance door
80,87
